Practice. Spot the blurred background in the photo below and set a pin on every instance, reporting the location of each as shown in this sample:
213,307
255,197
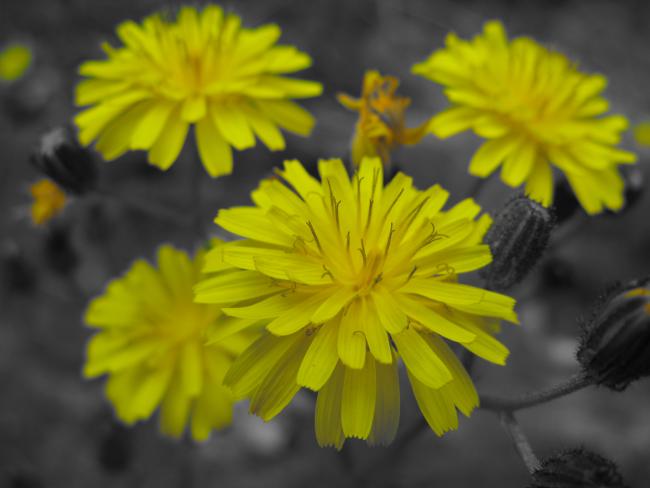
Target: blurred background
56,429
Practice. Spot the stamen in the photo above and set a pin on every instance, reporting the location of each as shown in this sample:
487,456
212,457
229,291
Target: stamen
362,250
390,238
313,232
327,273
401,192
415,268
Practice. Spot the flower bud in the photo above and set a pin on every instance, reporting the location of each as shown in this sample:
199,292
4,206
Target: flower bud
577,468
517,239
615,344
62,159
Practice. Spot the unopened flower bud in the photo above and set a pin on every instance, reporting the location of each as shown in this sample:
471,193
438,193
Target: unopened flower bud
62,159
577,468
517,239
615,344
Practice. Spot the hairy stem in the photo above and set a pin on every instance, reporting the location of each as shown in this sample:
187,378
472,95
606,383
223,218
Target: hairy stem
519,440
576,382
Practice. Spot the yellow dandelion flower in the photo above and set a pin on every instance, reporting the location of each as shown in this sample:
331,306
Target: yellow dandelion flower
537,110
381,126
49,201
155,345
205,70
642,133
349,275
14,62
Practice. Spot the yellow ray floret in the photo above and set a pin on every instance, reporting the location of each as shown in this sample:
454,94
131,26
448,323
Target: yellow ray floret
15,60
151,342
537,112
381,126
49,201
349,276
203,70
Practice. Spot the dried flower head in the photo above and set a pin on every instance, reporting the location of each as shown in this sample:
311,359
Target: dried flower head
203,69
538,112
381,126
348,275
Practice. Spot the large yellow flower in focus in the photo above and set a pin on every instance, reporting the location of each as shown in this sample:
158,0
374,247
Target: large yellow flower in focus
349,275
205,70
156,346
537,110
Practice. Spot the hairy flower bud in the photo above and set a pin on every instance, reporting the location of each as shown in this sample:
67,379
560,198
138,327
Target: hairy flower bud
62,159
615,345
577,468
517,239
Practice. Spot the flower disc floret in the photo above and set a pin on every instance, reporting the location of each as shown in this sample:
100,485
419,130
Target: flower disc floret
204,69
348,276
537,110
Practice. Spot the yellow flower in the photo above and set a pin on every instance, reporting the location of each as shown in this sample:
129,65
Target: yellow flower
349,275
49,201
381,126
14,62
537,110
155,344
642,134
205,70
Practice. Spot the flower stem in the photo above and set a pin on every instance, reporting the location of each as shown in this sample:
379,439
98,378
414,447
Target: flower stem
520,441
477,186
576,382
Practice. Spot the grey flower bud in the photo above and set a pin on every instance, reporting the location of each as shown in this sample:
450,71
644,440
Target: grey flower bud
577,468
63,160
615,344
517,238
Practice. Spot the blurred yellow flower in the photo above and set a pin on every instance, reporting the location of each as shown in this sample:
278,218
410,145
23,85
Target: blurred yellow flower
537,110
205,70
14,61
381,126
49,201
349,275
156,345
642,133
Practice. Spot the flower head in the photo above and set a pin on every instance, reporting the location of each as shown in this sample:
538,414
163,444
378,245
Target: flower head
577,468
60,158
348,276
537,110
155,344
615,343
49,201
381,126
15,60
203,69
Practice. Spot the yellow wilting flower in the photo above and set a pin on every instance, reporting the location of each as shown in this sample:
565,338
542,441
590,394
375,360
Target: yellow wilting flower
49,201
155,344
205,70
537,111
14,62
349,275
381,126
